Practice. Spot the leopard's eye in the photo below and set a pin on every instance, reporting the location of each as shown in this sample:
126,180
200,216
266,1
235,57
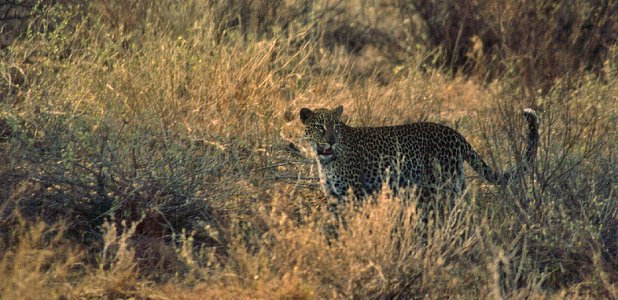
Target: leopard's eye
320,128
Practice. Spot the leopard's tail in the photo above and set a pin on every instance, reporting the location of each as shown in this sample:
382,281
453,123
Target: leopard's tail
477,163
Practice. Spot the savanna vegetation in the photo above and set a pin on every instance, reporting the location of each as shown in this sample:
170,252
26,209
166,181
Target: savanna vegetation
152,149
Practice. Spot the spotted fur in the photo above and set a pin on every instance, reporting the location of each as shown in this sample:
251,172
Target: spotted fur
427,155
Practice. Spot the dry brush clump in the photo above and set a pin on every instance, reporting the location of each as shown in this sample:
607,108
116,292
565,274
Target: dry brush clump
537,41
144,155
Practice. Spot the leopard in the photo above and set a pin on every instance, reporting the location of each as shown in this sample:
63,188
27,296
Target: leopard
426,156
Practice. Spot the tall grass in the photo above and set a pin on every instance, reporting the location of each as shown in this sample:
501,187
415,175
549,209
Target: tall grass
145,153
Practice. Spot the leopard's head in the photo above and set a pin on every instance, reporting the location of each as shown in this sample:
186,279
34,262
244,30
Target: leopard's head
323,130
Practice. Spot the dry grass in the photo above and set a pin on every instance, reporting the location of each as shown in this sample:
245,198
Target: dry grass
143,155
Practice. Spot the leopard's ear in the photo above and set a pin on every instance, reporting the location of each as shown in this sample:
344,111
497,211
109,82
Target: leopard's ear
338,111
305,114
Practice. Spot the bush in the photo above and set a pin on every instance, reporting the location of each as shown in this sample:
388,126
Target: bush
538,41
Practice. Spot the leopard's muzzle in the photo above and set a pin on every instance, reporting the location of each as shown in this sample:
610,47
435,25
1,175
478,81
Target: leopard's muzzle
324,151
